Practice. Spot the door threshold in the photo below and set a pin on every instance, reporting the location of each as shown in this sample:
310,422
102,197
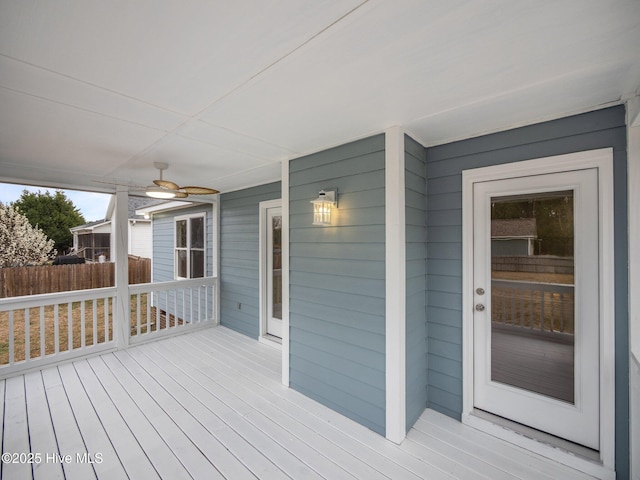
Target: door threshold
563,451
271,340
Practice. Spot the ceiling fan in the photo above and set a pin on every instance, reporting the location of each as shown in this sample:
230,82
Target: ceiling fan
167,189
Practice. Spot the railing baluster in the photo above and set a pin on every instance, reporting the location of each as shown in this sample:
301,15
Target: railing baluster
148,311
43,351
175,307
158,313
542,311
184,316
106,319
562,312
27,334
82,326
532,317
70,325
56,329
138,322
94,311
521,295
11,339
191,304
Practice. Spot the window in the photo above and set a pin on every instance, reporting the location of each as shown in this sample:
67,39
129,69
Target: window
190,246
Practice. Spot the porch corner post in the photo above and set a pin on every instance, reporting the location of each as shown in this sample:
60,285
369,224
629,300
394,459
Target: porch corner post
633,178
120,230
395,289
286,337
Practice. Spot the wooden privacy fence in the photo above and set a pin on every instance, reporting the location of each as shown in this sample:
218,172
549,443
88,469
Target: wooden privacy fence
19,281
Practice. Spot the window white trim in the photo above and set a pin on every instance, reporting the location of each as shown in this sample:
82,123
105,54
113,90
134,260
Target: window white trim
189,248
601,159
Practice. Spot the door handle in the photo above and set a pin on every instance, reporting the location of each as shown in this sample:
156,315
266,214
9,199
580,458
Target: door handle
479,307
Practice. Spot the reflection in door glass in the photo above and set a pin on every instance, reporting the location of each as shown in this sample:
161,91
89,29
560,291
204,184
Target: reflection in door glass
276,225
532,293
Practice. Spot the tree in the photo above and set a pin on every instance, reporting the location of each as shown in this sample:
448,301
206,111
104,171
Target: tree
20,243
53,214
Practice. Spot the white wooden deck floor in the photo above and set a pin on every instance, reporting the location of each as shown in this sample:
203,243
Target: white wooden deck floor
210,405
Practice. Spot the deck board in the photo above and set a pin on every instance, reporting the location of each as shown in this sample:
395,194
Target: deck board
41,433
210,405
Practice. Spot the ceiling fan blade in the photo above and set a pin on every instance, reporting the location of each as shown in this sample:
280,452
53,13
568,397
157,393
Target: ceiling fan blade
180,194
199,190
166,184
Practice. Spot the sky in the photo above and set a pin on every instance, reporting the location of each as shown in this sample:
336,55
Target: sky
93,206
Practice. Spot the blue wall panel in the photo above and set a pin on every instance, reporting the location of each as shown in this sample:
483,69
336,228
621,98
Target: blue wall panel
445,163
337,282
416,280
239,257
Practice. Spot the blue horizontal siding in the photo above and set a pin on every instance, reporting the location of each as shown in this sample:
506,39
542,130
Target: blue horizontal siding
163,267
416,283
239,257
337,282
445,163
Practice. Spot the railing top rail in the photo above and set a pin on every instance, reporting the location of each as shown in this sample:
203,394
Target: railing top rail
172,285
29,301
520,284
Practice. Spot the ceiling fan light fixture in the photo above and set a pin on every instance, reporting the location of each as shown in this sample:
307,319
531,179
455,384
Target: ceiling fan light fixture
159,192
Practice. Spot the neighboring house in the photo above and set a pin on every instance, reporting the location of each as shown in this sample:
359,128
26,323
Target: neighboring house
513,237
93,240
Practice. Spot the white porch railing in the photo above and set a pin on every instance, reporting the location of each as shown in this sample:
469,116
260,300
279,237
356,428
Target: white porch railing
166,308
38,330
541,307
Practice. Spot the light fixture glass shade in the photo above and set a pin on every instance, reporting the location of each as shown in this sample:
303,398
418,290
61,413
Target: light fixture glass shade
322,213
322,208
159,192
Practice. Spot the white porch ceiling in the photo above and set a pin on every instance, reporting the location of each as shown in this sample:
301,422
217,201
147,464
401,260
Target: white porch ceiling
94,91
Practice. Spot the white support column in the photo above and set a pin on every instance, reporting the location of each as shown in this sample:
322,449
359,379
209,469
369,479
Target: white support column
395,274
633,176
285,272
120,231
216,259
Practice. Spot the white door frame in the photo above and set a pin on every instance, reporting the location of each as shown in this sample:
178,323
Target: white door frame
601,159
263,271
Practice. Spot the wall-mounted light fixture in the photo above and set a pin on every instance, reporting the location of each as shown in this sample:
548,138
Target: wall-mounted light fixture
322,207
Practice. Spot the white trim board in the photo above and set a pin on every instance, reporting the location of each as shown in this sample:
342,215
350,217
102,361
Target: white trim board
633,192
284,185
601,159
262,257
395,279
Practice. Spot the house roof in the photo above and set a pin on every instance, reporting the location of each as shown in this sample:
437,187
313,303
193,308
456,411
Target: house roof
89,226
224,91
514,228
133,205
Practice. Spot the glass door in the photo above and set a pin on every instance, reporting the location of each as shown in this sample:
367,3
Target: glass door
274,272
536,306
